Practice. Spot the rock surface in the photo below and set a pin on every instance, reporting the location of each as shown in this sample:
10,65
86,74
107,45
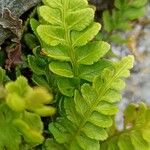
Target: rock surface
17,8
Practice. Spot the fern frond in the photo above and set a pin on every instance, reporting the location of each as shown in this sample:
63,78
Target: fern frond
136,133
67,29
124,12
90,113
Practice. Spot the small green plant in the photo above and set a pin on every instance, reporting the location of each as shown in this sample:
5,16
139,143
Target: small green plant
21,108
119,19
136,133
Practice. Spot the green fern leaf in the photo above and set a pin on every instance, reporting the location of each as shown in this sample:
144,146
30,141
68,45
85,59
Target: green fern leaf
78,20
41,81
91,71
128,13
92,52
138,141
139,3
135,135
82,38
57,52
62,69
66,32
124,12
34,24
108,26
88,116
31,40
37,65
124,142
50,144
51,35
53,16
67,86
118,4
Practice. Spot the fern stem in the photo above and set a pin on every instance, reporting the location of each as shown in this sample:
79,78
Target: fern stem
71,50
72,53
